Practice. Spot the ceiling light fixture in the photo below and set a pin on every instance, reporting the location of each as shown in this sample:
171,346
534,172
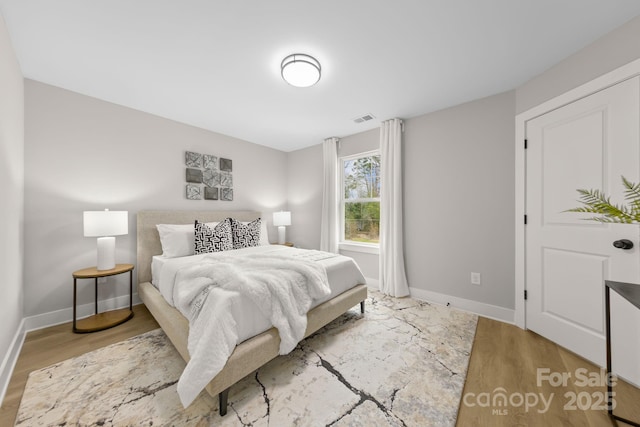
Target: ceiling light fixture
300,70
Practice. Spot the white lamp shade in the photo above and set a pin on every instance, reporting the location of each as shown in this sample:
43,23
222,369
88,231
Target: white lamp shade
106,223
281,218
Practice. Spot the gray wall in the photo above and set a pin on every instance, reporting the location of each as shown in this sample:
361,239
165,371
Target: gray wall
11,189
85,154
615,49
359,143
459,200
305,177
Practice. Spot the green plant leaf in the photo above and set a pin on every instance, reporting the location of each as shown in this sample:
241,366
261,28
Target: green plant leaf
596,202
632,195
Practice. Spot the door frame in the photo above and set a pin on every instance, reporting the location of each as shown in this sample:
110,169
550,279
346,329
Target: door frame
630,70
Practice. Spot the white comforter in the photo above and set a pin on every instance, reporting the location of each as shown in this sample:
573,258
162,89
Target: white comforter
282,287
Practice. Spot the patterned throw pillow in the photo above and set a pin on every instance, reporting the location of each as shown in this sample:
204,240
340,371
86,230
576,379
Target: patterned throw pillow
245,236
215,239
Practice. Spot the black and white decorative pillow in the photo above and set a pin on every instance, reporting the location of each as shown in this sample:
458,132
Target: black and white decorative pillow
214,239
245,236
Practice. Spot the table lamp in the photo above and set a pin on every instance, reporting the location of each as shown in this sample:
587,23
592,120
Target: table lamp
105,225
281,220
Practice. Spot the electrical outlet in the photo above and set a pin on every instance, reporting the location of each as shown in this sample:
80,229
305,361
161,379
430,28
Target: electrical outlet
476,279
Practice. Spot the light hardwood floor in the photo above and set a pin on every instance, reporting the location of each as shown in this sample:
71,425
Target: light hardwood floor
507,357
503,356
52,345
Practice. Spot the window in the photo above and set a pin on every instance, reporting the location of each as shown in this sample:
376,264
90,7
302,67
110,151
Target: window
360,201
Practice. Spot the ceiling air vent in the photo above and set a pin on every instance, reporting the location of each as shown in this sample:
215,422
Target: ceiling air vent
364,118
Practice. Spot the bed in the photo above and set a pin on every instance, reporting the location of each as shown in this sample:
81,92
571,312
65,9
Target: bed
248,355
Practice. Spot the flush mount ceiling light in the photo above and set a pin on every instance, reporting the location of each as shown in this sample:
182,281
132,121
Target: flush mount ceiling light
300,70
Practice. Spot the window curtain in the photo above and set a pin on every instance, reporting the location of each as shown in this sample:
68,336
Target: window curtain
393,280
329,224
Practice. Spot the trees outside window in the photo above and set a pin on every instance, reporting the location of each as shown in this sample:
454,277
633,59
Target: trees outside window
361,198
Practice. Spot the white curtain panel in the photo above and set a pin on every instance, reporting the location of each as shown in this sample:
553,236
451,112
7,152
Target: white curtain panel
393,280
329,225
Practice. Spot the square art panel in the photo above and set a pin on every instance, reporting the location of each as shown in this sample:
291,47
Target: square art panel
225,179
213,171
193,160
211,178
226,194
209,162
211,193
226,165
194,192
194,175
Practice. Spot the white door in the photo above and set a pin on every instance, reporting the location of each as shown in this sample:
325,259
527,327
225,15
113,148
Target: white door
587,144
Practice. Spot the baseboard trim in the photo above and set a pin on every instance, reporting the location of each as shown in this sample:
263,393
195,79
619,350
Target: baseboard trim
10,359
45,320
482,309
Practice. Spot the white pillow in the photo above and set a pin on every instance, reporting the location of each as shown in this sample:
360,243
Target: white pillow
176,239
264,234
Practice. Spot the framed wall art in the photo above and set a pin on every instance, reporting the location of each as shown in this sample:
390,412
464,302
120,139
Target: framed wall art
208,176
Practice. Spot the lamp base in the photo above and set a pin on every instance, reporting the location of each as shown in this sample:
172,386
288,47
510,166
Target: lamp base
281,233
106,253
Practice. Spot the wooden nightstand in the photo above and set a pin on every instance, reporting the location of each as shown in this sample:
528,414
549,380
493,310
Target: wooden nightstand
284,244
107,319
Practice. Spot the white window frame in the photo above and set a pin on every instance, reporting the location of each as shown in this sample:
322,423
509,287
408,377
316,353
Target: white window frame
348,245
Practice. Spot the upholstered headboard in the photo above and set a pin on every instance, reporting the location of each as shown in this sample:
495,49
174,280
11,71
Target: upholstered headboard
149,239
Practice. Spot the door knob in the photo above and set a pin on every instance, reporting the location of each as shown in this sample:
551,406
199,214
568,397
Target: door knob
623,244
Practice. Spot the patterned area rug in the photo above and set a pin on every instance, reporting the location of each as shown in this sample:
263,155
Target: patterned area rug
402,363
